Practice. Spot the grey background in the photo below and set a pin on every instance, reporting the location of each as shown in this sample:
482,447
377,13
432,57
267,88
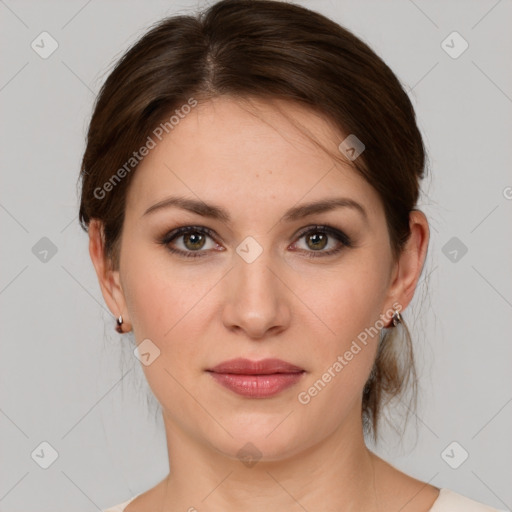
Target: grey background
68,379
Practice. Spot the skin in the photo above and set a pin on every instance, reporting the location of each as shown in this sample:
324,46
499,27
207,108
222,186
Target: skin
253,162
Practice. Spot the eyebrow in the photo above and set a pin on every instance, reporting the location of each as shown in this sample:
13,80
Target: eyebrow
295,213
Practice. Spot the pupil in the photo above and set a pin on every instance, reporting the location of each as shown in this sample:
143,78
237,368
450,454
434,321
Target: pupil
318,238
195,239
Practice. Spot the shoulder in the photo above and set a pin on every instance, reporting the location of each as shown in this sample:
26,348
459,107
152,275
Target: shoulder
151,499
450,501
120,507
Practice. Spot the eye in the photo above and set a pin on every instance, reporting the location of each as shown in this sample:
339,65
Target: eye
191,239
317,238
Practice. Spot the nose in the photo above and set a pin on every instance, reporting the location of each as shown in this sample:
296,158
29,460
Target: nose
257,300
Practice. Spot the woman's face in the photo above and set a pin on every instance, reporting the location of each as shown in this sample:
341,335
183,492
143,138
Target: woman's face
260,283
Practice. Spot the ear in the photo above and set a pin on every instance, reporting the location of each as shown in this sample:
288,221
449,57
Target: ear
108,278
410,263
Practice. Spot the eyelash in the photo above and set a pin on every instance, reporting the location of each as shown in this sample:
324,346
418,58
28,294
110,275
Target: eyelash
344,240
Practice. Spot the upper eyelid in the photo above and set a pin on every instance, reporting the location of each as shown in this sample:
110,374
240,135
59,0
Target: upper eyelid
183,230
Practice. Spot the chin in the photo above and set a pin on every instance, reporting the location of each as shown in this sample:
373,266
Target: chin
255,440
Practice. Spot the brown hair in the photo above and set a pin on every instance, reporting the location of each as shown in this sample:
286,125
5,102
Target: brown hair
271,50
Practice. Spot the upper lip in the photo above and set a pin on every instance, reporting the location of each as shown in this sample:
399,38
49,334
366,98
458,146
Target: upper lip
263,367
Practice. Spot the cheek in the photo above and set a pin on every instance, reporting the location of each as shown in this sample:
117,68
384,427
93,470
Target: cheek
349,304
347,301
342,361
159,295
167,305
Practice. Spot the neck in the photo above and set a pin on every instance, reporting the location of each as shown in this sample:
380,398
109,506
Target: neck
336,474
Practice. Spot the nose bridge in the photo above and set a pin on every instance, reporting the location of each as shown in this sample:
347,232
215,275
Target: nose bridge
257,299
252,271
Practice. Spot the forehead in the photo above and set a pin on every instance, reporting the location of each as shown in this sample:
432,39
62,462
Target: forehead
247,153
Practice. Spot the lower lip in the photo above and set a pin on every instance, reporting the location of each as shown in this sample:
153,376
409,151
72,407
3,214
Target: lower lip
257,386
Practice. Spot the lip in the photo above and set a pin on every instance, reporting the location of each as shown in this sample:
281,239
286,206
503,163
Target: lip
256,379
262,367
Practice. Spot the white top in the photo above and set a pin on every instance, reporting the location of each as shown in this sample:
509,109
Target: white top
448,501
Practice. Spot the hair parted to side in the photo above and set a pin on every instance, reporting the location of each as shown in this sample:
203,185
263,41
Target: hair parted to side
272,50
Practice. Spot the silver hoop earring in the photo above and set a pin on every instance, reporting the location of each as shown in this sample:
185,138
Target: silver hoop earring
396,318
119,324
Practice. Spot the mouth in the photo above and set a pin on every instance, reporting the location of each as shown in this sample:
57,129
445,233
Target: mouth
256,379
